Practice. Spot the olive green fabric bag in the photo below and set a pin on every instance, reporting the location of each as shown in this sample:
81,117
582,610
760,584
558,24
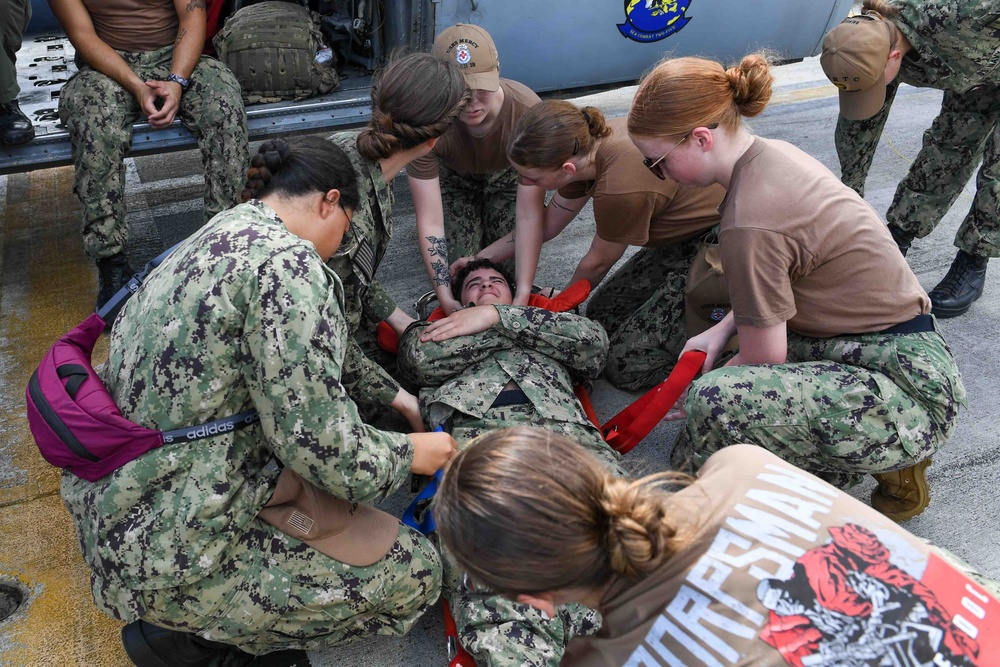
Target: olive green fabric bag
271,48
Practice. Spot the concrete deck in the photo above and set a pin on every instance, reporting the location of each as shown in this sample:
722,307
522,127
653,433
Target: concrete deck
47,286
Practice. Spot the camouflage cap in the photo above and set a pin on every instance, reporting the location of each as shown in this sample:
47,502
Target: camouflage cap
352,533
473,50
854,57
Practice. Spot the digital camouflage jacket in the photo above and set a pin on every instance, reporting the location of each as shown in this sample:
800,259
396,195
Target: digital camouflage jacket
362,250
956,43
545,353
243,314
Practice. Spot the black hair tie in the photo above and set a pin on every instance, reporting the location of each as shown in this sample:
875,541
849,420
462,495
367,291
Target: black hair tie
586,117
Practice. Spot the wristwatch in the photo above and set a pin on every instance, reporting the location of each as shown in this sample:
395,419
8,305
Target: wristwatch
178,79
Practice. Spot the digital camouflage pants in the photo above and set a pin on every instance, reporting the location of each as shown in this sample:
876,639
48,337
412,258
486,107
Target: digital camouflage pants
274,592
98,113
642,308
14,17
966,130
478,210
495,630
839,407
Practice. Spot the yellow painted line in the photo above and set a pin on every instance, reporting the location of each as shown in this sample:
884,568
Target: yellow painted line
804,94
47,286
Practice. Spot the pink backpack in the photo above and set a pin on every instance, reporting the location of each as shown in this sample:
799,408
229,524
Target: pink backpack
73,418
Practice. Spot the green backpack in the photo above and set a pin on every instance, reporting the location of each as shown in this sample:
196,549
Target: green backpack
271,48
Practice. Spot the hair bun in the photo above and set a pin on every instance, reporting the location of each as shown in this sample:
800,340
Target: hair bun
638,537
597,125
751,82
266,162
274,153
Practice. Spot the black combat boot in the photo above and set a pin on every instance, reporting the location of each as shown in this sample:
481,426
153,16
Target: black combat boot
112,274
15,127
903,239
962,285
148,645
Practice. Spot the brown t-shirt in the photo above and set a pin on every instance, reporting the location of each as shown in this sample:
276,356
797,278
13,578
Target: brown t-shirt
134,25
784,569
798,246
458,150
633,206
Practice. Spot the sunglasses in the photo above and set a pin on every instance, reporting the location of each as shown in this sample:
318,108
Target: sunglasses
653,165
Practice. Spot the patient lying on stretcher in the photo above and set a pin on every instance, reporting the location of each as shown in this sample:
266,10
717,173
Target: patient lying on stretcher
494,365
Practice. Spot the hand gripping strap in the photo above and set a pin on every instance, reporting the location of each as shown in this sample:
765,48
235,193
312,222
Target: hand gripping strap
631,425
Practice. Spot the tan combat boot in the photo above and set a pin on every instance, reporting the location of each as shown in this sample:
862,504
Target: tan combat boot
902,494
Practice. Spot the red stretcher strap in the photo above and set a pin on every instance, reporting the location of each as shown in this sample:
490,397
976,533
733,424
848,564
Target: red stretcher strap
631,425
457,656
586,404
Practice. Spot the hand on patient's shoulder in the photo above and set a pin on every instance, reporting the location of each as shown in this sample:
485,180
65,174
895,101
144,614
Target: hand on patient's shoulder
472,320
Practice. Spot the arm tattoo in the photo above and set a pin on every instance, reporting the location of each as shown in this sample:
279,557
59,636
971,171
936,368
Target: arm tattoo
194,5
511,238
437,247
180,35
558,205
441,274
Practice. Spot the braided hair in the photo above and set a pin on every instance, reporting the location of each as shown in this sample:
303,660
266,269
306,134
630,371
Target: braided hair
414,98
525,510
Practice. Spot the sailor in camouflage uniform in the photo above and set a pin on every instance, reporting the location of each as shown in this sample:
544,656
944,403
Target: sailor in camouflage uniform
950,45
398,133
242,315
494,366
136,63
367,301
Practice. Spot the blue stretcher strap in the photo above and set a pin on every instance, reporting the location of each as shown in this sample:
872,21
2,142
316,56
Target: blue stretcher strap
418,515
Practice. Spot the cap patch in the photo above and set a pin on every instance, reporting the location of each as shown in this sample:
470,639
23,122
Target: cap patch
463,54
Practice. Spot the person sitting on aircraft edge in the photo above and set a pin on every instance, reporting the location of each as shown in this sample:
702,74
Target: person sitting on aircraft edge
183,542
704,575
143,60
15,127
950,45
840,369
493,365
465,193
415,99
558,146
